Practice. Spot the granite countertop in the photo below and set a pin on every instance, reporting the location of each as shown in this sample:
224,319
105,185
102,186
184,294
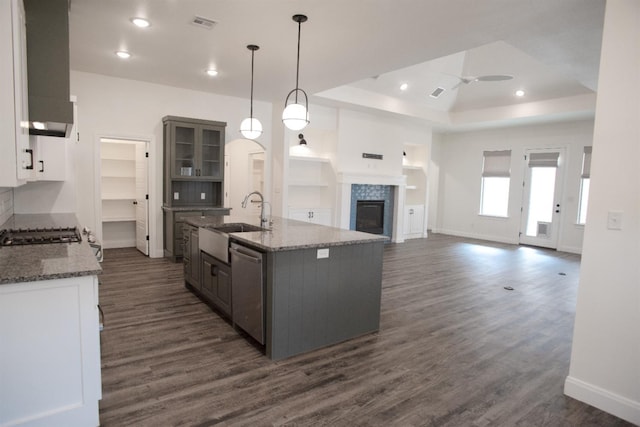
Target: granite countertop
287,234
194,208
45,261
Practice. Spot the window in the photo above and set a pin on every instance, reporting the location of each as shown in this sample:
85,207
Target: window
494,194
584,186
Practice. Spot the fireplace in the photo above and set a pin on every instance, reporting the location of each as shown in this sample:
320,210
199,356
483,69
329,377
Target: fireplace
370,216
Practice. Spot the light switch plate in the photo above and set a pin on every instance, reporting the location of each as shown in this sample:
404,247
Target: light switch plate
323,253
176,195
614,220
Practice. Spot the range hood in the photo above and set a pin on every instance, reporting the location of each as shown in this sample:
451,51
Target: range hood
48,67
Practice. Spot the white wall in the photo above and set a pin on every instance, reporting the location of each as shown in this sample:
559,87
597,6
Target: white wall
460,164
6,204
360,132
132,109
239,183
605,359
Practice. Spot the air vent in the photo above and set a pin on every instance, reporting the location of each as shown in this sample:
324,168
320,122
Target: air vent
205,23
436,93
544,229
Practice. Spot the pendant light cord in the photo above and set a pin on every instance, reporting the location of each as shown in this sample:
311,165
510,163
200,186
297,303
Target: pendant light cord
298,61
251,107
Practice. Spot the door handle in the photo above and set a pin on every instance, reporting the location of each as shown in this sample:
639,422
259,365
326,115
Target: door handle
214,270
30,153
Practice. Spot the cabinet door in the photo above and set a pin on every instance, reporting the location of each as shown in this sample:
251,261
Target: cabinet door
210,152
321,216
194,255
300,214
413,219
186,258
216,283
209,281
16,162
183,150
51,158
223,295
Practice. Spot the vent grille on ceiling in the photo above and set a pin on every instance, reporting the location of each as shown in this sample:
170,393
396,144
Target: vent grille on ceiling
436,93
206,23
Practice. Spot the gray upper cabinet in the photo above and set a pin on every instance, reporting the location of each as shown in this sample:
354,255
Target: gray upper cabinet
195,148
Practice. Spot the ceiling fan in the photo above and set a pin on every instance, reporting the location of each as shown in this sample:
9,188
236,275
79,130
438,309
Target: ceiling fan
485,78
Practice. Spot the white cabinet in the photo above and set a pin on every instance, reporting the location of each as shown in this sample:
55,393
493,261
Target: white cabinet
50,158
413,221
16,162
50,353
321,216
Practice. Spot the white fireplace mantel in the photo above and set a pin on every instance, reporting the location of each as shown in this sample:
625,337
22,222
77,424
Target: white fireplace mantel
371,179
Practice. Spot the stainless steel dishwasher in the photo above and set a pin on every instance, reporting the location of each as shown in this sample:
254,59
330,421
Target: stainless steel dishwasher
247,290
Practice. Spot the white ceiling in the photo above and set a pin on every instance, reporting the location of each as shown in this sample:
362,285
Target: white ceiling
358,51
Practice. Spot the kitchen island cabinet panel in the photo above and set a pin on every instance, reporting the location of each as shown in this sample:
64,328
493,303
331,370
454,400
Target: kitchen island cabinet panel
216,283
314,302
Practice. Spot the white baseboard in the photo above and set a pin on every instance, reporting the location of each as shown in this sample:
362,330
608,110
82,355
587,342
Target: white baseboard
113,244
477,236
570,249
600,398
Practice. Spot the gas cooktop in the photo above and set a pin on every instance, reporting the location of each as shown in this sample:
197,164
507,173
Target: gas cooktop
36,236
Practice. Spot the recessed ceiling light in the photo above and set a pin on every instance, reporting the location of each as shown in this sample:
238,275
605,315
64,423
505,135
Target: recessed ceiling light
520,92
212,72
39,125
140,22
122,54
404,86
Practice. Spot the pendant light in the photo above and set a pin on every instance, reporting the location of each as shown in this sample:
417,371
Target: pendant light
296,114
251,128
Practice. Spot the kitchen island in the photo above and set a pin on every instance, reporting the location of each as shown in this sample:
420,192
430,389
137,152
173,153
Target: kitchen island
321,285
49,328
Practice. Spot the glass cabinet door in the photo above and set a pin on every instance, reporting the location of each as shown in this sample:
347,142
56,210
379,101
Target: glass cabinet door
185,151
210,157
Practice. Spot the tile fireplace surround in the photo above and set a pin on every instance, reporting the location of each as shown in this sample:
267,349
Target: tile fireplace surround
373,192
390,188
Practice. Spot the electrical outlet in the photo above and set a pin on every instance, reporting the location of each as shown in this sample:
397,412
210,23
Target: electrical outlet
203,196
176,196
323,253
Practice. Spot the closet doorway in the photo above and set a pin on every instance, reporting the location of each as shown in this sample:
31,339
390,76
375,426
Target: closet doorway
124,192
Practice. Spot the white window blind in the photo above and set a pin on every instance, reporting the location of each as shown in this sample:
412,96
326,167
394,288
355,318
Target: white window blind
586,163
543,160
496,164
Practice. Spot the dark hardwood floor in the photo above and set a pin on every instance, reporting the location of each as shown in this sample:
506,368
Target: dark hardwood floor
455,348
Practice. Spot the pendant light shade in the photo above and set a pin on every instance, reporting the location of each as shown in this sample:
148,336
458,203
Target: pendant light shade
296,111
251,128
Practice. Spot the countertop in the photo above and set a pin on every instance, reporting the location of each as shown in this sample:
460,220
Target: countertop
46,261
287,234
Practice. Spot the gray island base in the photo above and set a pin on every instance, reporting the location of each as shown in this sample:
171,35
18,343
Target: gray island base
322,284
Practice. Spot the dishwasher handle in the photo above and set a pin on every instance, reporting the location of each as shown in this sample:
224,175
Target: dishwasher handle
247,257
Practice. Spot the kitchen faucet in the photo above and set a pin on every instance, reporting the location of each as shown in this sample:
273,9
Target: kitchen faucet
263,218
